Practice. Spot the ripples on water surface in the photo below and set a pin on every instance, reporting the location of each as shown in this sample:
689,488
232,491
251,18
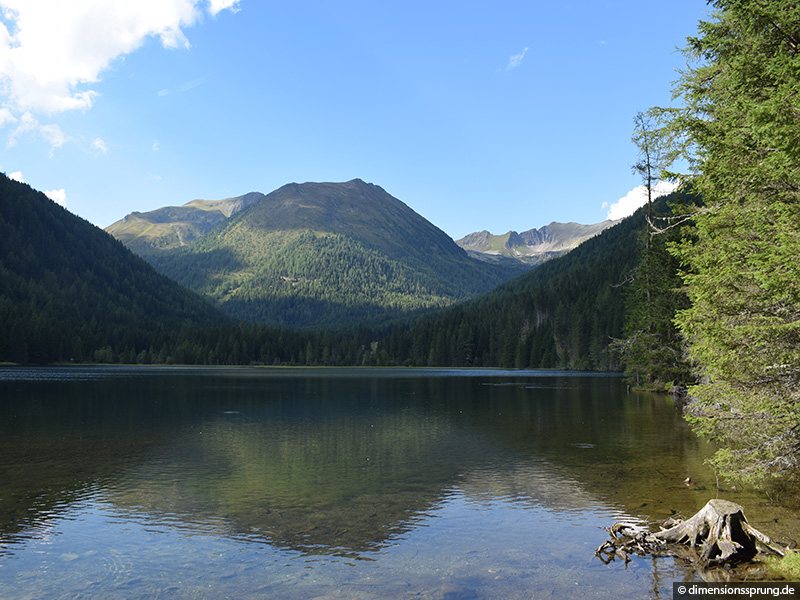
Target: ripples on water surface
368,484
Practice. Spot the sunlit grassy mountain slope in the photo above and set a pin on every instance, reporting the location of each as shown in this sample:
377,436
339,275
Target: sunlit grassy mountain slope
176,226
329,254
68,290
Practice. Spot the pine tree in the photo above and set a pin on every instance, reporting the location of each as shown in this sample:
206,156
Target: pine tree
653,347
739,127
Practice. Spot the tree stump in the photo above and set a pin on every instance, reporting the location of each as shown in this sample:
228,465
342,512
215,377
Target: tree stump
723,531
720,528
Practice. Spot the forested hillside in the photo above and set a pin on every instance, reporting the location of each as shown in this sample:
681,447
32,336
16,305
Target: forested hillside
319,255
70,291
565,313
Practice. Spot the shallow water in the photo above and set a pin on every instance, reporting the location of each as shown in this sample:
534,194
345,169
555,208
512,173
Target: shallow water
350,483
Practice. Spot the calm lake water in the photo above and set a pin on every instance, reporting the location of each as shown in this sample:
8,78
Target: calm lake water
339,484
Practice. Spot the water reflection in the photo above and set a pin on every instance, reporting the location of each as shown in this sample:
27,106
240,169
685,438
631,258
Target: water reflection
415,479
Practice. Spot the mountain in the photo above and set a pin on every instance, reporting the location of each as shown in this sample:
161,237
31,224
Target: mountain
176,226
326,255
533,246
68,290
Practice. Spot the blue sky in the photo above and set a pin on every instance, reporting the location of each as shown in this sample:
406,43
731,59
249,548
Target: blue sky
478,115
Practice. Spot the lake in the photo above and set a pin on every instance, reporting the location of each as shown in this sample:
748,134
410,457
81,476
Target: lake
125,482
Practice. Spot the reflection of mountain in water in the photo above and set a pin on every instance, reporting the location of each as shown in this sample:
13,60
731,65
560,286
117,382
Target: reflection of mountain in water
335,461
334,483
344,485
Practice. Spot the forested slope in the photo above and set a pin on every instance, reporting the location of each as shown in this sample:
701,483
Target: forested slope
70,291
563,314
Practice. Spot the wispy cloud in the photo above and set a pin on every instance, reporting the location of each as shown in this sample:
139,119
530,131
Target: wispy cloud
6,117
53,135
636,198
28,124
190,85
100,146
184,87
25,124
516,60
217,6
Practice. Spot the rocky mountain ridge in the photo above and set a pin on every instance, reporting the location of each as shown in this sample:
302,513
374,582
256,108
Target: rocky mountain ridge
533,246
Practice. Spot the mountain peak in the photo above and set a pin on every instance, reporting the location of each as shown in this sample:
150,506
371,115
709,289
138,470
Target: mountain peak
328,254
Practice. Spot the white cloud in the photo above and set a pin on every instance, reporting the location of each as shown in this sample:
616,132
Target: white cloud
155,146
26,123
17,176
217,6
57,196
52,51
636,198
515,60
99,145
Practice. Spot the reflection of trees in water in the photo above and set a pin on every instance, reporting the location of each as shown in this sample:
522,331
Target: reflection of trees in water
346,476
333,463
339,484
